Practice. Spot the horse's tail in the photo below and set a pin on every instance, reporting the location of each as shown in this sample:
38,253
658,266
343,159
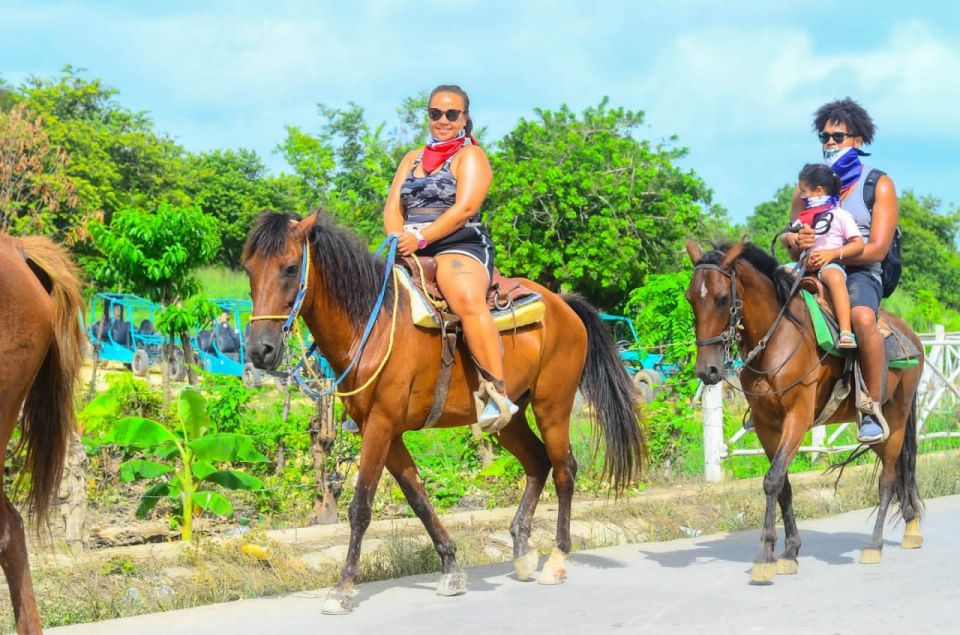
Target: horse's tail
47,420
607,387
905,486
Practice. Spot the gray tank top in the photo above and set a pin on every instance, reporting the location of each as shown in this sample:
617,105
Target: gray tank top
858,209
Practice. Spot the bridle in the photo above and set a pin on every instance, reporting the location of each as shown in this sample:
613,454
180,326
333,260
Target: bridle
731,334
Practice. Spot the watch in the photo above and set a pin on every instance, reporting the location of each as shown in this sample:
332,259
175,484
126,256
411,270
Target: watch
421,241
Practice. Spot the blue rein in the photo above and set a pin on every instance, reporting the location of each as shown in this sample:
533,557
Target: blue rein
390,244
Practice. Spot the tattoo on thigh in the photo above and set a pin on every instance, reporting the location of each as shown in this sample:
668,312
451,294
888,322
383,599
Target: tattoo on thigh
457,263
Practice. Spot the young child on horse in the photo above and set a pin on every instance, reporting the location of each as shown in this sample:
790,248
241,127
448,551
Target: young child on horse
838,237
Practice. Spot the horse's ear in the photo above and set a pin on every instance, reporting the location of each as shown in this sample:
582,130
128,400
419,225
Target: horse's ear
303,226
733,253
693,250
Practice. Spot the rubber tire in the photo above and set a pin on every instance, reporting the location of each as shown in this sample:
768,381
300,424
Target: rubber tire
141,362
251,376
643,383
176,369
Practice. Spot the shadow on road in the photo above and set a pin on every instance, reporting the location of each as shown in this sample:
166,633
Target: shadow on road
832,548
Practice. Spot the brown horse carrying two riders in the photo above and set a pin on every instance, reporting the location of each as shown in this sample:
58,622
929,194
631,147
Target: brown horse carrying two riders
41,344
390,389
740,295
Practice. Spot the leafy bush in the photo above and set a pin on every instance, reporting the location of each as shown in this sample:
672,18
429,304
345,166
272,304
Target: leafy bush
191,453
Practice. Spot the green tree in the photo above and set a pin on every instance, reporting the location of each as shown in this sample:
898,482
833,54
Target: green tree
579,202
770,217
930,259
35,191
178,320
233,186
117,159
154,254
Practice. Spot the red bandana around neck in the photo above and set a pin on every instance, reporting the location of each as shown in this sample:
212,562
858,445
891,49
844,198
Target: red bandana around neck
434,154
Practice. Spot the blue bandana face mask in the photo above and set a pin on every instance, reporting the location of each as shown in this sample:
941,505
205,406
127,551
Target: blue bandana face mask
817,201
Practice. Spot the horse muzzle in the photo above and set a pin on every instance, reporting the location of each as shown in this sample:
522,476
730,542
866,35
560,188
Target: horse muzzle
265,351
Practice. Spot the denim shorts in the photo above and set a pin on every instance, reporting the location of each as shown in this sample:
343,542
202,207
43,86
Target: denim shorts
792,266
864,287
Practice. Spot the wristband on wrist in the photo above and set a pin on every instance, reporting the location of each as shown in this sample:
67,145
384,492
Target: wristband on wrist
421,241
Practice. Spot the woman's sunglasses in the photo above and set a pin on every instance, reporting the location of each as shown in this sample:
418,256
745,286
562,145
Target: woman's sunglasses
452,115
838,137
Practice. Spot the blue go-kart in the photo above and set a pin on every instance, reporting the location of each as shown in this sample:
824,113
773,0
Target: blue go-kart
647,370
221,348
122,329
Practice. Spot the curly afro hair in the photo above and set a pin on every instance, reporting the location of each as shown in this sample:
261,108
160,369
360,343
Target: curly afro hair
849,113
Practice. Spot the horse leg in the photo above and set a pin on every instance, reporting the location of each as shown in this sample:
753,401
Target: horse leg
554,424
781,450
453,580
16,567
520,441
373,455
787,562
889,452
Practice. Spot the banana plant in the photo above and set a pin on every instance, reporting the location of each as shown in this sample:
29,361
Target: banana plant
187,461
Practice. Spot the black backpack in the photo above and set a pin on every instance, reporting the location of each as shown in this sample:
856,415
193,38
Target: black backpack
892,264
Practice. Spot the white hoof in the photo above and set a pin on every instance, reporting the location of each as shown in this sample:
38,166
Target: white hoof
555,569
452,584
338,603
526,565
871,556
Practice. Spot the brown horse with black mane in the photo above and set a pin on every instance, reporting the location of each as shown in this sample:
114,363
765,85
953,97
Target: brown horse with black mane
737,292
545,364
41,344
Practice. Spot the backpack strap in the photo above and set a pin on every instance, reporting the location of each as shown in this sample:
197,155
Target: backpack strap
870,188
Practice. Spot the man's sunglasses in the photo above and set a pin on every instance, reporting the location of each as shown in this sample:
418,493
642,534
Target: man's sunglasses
452,115
838,137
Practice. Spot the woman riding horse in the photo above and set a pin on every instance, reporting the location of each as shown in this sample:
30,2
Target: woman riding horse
434,210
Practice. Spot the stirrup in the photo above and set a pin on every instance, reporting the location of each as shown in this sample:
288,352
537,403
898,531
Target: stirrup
491,391
870,407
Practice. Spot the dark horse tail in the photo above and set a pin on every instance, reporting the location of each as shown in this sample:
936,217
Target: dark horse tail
607,387
47,420
905,486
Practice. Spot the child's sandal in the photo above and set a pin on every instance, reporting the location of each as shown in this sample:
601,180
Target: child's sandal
847,340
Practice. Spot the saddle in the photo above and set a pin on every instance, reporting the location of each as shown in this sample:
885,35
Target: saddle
512,304
900,350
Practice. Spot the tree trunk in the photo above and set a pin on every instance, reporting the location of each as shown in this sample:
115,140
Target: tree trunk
92,391
323,433
73,493
167,359
188,359
484,446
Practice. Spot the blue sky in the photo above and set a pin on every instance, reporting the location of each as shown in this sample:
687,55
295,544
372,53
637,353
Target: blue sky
736,81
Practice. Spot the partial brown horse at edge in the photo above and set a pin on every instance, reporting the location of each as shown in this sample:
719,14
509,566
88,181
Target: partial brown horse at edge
41,343
788,384
545,364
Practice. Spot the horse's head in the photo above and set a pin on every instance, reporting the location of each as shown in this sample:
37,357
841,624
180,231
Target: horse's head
712,294
273,260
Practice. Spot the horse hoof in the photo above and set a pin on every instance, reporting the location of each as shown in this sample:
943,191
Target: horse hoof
911,541
526,565
451,584
763,573
871,556
912,537
555,569
786,566
337,603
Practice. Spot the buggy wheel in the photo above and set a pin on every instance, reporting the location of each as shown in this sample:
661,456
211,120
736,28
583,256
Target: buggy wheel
251,376
176,369
141,362
644,382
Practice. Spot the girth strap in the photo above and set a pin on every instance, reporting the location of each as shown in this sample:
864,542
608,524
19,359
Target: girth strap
449,326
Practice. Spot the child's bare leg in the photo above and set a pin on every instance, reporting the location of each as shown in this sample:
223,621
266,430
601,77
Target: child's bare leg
837,283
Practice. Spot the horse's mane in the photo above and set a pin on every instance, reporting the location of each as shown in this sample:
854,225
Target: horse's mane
764,263
350,273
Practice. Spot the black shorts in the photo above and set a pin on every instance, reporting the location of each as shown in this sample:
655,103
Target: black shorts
472,241
864,288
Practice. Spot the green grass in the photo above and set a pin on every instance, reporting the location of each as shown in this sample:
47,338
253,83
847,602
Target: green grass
220,282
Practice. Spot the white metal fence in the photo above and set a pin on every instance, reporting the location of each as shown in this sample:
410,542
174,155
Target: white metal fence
939,391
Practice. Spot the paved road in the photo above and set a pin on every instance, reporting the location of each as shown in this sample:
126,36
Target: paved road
683,586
